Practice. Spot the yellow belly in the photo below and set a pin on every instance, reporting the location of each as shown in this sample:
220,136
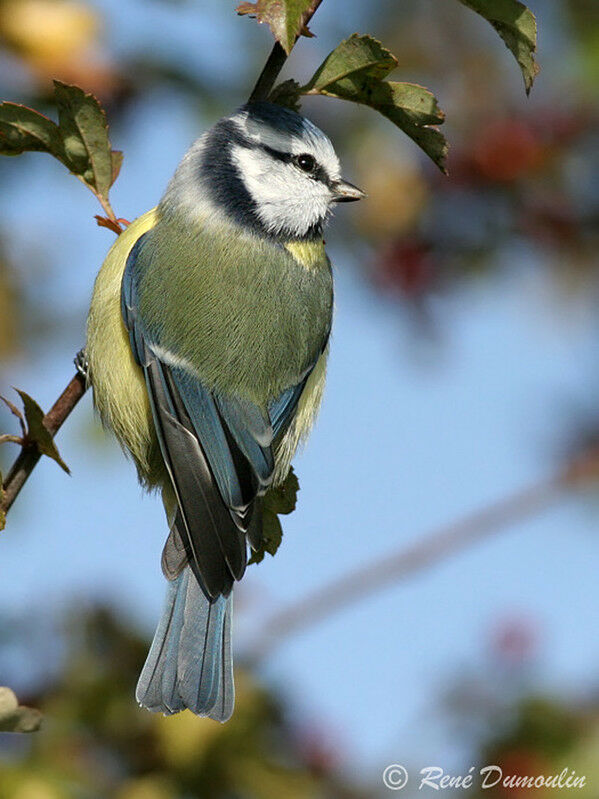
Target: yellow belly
119,387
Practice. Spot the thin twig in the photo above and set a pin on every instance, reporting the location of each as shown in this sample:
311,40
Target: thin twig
427,551
29,456
274,64
269,74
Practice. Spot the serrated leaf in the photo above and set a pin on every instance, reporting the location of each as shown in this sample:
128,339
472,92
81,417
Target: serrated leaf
15,717
37,432
411,107
286,18
279,500
516,25
83,126
358,54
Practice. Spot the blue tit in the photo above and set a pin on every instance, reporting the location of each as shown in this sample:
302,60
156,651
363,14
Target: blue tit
206,345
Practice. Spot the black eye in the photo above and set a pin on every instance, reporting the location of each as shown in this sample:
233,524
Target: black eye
306,162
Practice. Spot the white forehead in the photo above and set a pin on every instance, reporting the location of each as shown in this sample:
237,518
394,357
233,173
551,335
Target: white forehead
307,138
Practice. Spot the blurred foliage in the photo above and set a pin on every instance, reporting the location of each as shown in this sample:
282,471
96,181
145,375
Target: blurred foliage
15,717
58,39
97,744
520,175
518,728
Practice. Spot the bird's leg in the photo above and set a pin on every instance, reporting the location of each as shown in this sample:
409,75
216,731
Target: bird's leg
81,364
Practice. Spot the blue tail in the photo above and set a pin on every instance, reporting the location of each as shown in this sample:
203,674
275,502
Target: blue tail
190,663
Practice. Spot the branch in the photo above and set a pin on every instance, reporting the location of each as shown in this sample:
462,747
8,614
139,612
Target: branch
274,65
441,543
29,456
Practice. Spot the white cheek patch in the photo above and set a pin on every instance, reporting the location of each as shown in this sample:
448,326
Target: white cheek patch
286,200
256,170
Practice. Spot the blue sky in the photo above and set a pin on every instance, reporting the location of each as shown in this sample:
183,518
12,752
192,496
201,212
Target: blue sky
411,436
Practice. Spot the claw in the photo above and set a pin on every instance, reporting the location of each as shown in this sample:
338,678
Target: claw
81,364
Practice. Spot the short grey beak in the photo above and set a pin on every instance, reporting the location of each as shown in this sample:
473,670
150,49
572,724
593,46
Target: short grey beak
344,192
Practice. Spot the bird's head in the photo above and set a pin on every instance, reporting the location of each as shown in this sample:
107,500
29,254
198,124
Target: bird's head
267,169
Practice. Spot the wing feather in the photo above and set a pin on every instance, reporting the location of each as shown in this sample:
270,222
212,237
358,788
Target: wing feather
217,450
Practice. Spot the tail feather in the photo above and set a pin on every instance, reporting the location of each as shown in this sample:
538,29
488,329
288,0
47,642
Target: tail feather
190,663
225,700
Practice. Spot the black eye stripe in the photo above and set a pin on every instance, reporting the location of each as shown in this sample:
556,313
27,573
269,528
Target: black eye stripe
286,158
318,173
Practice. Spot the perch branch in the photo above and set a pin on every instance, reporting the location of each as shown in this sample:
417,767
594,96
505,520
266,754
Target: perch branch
29,456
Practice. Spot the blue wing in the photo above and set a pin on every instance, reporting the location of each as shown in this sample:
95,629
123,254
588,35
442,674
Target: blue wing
217,450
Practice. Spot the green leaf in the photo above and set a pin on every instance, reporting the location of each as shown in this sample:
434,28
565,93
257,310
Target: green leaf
516,25
15,717
37,432
358,54
412,108
286,18
354,72
23,129
279,500
83,127
286,94
117,163
79,141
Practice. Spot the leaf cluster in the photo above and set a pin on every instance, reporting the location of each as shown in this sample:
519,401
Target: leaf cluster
79,140
356,69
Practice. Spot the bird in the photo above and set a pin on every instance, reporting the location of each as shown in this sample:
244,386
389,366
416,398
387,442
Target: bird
207,342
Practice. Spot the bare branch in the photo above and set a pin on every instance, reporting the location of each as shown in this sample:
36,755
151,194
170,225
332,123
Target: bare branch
441,543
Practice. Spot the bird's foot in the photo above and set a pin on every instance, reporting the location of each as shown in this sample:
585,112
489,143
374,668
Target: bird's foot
81,364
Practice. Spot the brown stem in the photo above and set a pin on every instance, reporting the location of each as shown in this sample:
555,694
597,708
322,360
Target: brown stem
274,64
437,545
107,208
30,455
